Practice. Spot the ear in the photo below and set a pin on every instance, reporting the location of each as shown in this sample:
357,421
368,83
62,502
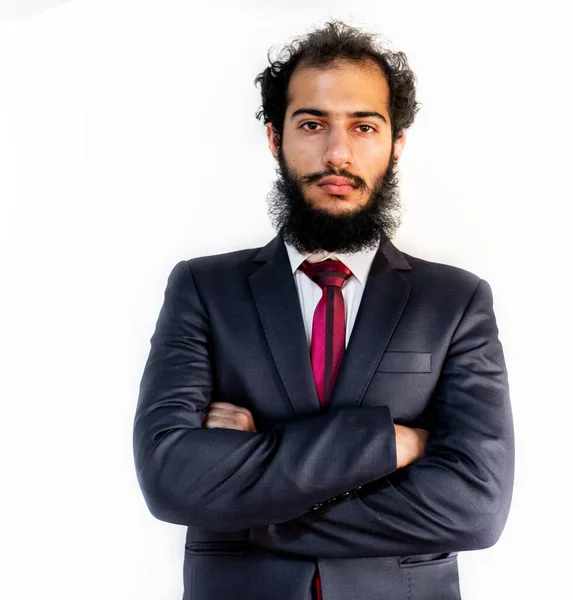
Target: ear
272,140
399,145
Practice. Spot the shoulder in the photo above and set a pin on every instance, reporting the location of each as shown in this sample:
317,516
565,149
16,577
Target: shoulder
448,291
442,273
443,282
217,269
224,260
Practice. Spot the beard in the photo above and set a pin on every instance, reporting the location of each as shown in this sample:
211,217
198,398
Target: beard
309,229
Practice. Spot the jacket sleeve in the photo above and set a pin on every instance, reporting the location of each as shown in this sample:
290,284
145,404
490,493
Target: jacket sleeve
457,496
225,479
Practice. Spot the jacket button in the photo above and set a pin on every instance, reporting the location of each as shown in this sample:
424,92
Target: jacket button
316,506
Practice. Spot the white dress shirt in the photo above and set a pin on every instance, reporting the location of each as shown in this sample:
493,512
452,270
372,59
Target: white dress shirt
309,292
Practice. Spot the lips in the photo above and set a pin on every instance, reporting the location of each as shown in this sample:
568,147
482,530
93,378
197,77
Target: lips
335,180
336,185
337,190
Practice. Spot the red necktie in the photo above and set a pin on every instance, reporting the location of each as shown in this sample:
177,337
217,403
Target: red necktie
328,333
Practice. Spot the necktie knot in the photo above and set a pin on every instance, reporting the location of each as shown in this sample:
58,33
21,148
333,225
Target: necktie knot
326,272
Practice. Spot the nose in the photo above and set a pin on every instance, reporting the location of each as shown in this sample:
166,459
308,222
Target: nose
338,152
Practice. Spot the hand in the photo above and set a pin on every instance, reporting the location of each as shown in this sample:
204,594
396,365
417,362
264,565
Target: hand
410,444
228,416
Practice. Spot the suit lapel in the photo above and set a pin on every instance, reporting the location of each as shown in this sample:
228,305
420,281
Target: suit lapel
382,304
276,298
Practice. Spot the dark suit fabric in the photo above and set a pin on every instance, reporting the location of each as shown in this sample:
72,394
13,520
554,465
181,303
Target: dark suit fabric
262,509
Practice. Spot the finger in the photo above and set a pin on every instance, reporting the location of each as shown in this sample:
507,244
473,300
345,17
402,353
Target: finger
225,405
224,413
210,422
228,407
229,419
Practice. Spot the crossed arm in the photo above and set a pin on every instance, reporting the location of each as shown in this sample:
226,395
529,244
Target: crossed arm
226,479
455,497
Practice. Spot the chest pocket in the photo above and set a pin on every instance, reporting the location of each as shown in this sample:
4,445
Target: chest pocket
405,362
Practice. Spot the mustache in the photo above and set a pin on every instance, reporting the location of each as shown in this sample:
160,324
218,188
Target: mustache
314,177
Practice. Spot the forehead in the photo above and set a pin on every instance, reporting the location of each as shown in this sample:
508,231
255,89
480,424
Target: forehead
341,86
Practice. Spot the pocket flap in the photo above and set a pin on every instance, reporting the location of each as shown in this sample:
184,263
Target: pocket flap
424,560
217,547
405,362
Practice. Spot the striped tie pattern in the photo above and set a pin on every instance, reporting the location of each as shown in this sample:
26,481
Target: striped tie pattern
328,334
328,325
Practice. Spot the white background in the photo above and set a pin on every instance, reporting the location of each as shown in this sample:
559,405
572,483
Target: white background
128,142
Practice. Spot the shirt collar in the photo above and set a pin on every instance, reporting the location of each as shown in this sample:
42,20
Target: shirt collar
358,262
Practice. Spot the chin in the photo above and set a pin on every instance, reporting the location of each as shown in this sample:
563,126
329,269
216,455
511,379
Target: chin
334,200
337,204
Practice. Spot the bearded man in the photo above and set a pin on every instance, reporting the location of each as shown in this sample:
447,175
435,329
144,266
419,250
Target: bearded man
327,415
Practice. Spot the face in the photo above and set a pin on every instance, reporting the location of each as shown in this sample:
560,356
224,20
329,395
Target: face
337,188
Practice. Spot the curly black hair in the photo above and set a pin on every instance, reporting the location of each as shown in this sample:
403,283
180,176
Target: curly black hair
337,40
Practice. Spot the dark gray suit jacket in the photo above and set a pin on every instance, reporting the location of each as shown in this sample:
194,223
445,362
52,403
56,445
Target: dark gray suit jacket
263,508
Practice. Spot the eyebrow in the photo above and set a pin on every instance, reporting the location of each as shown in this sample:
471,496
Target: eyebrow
359,114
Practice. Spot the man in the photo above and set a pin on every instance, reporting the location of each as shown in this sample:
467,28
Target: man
327,415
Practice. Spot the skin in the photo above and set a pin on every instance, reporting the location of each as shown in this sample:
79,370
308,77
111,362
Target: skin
314,144
410,441
334,141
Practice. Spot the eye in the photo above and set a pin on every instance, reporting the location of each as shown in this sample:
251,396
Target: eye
365,125
310,123
314,126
